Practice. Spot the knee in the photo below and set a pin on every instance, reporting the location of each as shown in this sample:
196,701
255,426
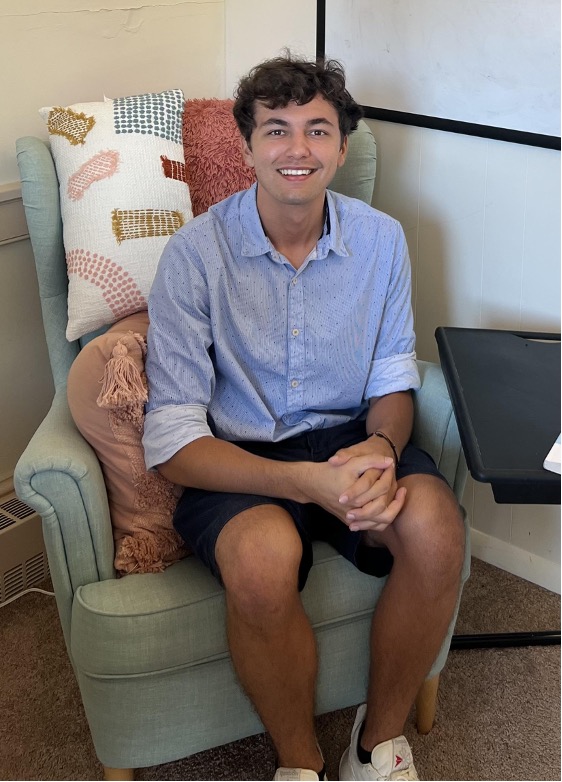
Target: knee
443,524
259,570
434,531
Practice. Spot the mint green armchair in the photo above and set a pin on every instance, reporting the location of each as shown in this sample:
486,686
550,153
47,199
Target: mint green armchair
150,651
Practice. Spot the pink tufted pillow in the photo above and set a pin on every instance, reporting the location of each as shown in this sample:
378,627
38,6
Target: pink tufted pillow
214,166
106,395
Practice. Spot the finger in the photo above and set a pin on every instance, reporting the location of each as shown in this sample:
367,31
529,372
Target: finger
340,457
371,461
363,461
374,510
369,526
364,487
385,517
379,484
343,455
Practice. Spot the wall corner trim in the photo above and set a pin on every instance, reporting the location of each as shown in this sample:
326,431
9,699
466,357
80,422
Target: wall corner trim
13,226
524,564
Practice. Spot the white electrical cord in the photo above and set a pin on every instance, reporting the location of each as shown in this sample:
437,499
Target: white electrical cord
25,592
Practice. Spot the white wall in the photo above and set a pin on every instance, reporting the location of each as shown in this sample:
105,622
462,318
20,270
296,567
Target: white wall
257,30
66,51
482,218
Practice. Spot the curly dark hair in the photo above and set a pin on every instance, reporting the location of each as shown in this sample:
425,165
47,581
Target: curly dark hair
282,80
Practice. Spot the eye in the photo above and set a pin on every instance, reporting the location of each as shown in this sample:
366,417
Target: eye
276,132
318,132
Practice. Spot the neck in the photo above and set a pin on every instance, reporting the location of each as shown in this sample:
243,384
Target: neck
293,230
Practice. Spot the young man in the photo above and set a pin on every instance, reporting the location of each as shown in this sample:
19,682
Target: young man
280,367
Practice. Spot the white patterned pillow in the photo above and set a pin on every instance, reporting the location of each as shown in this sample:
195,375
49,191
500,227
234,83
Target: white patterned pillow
120,165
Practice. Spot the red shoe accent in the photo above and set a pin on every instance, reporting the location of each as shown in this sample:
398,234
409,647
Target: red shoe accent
398,761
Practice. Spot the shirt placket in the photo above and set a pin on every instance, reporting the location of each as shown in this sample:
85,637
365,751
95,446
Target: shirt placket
295,341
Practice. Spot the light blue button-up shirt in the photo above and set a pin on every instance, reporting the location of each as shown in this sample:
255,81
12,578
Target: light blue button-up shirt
243,346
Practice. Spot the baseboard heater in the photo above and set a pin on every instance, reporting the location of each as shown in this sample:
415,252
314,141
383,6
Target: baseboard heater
23,559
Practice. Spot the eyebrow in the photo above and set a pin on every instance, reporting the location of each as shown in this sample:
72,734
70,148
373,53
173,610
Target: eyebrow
284,123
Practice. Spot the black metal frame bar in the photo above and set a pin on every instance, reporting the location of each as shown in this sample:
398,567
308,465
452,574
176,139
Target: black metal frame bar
506,640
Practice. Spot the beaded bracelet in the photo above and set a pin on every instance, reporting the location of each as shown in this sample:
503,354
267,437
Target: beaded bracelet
389,441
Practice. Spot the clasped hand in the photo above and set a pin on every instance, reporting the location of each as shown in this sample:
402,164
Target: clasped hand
358,485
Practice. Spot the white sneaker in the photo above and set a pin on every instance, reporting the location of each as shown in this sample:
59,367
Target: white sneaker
289,774
390,760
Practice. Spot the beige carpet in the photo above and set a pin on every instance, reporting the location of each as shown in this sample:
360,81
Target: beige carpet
498,717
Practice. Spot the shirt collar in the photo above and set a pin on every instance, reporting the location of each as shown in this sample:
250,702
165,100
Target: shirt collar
334,239
255,242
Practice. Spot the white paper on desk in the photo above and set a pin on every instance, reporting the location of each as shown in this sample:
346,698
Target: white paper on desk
552,461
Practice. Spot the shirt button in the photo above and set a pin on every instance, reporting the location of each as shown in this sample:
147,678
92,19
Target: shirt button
294,281
294,383
295,332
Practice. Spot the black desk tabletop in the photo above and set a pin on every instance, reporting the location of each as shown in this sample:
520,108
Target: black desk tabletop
505,390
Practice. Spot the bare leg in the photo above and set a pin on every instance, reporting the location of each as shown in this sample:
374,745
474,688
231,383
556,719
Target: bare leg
417,603
271,641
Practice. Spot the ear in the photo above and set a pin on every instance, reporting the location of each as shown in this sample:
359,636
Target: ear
246,152
343,152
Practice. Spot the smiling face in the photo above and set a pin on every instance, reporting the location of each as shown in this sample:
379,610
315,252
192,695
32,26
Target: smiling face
295,152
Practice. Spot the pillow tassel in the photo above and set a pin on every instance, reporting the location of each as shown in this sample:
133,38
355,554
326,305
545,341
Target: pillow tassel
122,383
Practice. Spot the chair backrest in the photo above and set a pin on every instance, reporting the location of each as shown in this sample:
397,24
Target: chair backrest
40,195
356,177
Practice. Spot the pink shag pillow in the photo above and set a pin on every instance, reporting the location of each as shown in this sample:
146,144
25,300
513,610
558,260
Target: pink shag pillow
106,394
214,166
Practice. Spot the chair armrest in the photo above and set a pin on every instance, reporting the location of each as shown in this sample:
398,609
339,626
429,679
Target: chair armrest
60,477
435,427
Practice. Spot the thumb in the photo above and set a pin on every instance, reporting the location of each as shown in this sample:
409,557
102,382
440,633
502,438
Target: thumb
375,462
340,457
401,495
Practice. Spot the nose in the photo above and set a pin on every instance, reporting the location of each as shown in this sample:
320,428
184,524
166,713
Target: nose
299,145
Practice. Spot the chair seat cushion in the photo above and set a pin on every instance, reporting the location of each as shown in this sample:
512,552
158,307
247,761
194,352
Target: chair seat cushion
153,622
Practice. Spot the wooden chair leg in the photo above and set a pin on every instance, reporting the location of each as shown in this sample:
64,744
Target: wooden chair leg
426,704
115,774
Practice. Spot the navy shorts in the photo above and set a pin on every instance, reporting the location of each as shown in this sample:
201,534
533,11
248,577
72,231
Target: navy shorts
201,515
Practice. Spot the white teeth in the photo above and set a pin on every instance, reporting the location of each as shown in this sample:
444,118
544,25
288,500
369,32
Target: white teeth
295,171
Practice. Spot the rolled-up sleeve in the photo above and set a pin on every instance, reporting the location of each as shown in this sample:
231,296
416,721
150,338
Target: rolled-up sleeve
394,367
168,429
396,373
